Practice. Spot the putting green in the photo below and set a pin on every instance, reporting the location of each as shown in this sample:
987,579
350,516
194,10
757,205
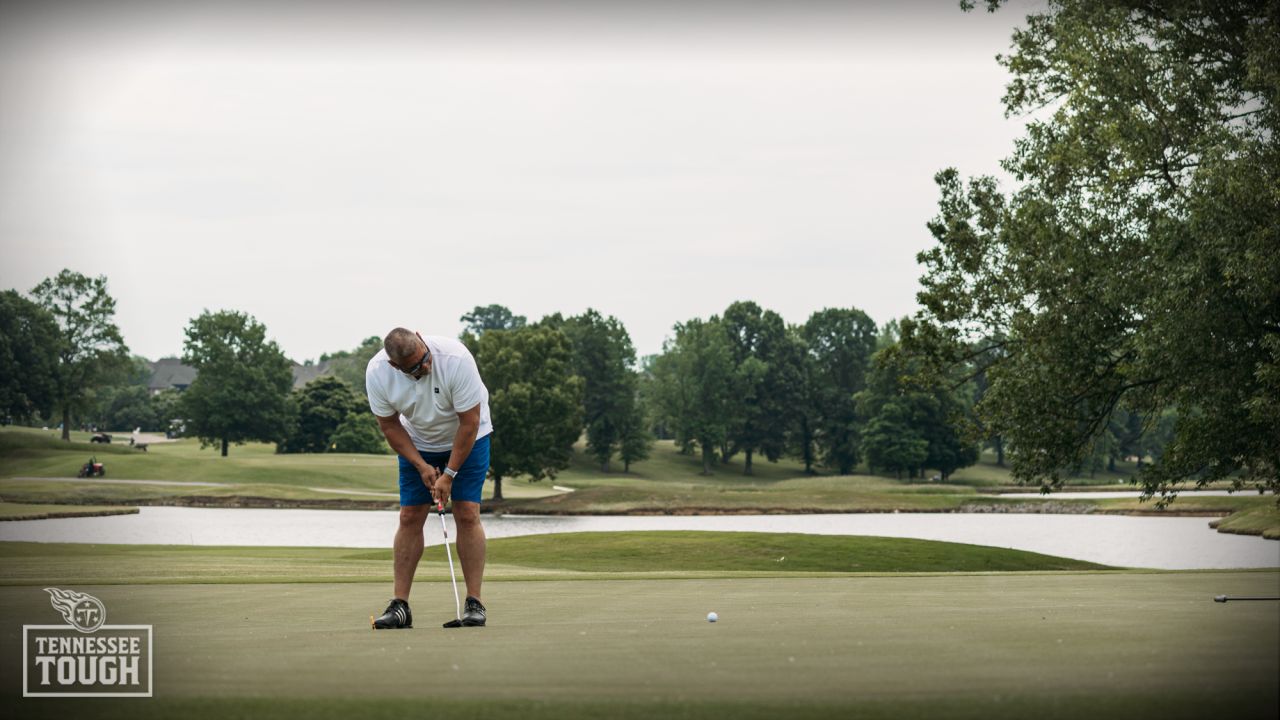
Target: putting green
997,645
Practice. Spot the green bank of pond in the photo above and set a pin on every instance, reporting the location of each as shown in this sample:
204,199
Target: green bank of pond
677,553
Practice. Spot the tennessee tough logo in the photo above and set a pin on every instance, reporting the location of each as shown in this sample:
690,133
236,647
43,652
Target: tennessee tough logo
85,657
82,611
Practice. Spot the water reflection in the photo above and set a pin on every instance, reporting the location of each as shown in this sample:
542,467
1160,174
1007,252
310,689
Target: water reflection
1166,543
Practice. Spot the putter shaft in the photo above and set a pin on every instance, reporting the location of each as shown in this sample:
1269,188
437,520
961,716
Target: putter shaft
457,604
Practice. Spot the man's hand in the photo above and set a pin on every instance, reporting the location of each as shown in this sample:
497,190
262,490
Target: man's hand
430,476
440,491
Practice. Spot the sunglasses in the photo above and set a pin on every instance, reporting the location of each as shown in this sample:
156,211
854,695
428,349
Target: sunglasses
418,365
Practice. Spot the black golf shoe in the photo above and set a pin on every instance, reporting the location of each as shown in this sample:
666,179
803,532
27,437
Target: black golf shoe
473,613
397,616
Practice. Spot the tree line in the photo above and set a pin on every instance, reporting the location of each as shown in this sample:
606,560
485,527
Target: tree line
837,393
746,383
743,383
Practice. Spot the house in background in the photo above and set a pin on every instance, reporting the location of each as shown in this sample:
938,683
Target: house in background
170,373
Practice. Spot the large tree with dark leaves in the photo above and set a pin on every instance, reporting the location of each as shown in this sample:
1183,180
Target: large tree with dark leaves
840,343
91,351
491,317
320,407
693,384
768,377
28,358
243,387
603,357
1135,267
535,398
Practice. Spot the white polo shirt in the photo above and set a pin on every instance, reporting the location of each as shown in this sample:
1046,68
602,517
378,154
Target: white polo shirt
429,406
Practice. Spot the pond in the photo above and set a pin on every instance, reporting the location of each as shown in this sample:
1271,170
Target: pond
1147,542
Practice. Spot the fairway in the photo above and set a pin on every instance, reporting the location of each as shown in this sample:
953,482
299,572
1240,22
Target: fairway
998,645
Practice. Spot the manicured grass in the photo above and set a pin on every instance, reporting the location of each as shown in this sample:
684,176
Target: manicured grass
854,493
568,555
44,564
1263,519
231,495
34,454
19,511
1096,645
764,552
250,470
986,474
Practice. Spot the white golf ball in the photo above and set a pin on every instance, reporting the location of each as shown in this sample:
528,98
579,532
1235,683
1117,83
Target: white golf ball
712,617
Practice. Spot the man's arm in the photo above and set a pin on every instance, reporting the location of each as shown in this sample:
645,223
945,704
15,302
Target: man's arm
398,438
463,441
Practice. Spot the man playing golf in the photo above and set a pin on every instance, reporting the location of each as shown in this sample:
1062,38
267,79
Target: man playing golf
433,409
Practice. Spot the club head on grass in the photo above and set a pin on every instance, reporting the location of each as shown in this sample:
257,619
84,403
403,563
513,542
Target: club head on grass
455,623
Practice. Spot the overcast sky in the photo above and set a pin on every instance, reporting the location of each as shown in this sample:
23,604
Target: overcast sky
337,170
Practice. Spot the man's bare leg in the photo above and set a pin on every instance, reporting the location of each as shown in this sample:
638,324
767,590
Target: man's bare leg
466,516
408,546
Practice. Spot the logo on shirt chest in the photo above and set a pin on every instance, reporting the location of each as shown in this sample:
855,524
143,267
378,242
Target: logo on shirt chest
437,391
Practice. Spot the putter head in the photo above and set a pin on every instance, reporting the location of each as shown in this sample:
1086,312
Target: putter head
1220,598
455,623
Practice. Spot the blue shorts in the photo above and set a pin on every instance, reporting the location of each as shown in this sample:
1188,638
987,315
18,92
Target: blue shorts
466,486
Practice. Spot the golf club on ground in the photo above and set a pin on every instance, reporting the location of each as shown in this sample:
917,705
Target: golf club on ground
1225,598
456,622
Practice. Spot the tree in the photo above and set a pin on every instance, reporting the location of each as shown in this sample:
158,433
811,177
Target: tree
636,440
840,343
322,405
603,357
29,345
128,407
167,407
491,317
912,426
535,400
768,379
358,433
126,403
241,392
976,370
891,443
90,349
693,382
804,425
1134,268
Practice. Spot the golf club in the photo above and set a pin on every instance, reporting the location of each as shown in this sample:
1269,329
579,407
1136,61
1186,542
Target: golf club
1225,598
456,622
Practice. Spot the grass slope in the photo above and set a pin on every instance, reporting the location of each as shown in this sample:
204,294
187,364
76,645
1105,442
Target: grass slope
560,556
763,552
